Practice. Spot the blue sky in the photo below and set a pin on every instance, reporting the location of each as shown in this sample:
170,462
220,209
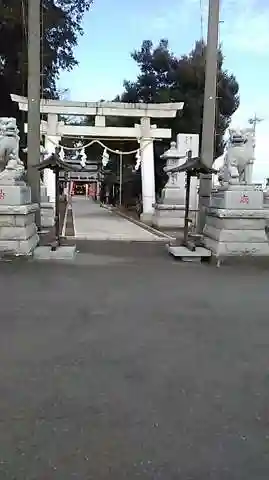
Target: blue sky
114,28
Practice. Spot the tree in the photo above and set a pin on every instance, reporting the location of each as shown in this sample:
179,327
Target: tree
7,107
60,28
165,78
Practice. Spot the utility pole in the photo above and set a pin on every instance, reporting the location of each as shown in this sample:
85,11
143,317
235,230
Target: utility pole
254,121
209,114
33,132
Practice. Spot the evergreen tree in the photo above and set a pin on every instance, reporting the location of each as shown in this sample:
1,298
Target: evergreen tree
165,78
60,28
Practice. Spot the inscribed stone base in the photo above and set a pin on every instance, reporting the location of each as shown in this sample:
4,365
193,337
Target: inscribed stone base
237,197
44,194
236,232
173,195
228,249
171,216
15,195
266,209
47,214
176,195
146,218
232,222
18,233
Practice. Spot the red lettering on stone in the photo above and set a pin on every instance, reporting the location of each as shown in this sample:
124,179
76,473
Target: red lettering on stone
2,194
244,199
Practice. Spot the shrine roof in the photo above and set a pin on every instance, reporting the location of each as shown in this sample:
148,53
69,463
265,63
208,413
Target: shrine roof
192,165
52,162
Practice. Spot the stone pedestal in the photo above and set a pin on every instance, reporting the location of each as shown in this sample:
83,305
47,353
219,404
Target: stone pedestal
170,212
266,203
266,198
47,214
235,223
18,233
47,209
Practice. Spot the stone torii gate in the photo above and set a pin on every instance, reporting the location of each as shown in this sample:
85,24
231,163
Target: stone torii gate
144,132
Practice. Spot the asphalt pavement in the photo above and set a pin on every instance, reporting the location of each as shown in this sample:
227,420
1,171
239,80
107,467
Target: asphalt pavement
133,366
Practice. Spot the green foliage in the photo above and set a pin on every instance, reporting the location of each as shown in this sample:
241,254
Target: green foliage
165,78
60,28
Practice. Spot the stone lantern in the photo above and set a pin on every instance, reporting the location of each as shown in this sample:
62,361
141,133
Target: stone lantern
170,211
172,191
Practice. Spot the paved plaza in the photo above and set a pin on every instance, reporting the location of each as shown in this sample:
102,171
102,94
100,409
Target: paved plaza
133,366
92,222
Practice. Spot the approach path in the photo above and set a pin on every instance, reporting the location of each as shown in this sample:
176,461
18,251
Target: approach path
92,222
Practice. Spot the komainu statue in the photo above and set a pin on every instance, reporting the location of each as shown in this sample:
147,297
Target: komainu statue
239,157
11,167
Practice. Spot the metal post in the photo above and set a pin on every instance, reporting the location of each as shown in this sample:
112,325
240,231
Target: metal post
120,179
57,241
187,205
209,113
33,134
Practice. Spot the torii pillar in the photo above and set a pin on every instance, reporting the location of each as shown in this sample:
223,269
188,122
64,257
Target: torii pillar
51,142
147,171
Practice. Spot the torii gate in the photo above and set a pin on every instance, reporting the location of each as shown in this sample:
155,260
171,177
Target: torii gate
144,132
